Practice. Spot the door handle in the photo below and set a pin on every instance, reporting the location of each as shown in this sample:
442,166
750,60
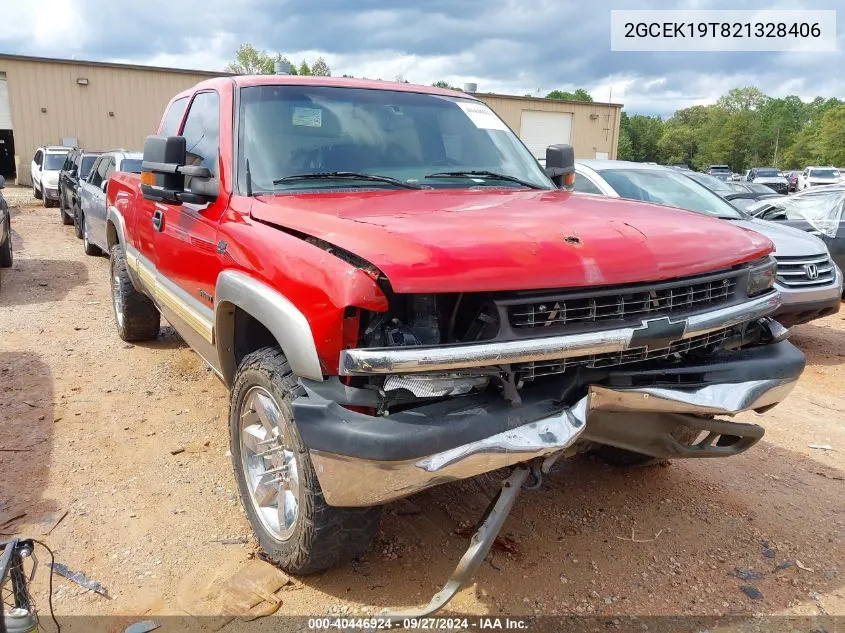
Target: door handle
158,220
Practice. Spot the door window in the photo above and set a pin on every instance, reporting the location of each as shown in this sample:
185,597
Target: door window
202,132
98,172
37,158
173,116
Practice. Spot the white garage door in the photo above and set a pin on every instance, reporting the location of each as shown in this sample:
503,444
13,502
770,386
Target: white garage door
538,130
5,111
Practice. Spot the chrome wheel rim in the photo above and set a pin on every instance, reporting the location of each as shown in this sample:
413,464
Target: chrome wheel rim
84,232
117,297
269,463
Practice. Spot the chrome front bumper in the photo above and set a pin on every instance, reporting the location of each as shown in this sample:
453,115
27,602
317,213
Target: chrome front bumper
404,360
352,481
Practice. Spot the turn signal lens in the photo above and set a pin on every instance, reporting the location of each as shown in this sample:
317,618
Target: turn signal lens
148,178
569,180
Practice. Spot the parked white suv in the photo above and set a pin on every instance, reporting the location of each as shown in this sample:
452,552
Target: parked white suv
45,168
814,176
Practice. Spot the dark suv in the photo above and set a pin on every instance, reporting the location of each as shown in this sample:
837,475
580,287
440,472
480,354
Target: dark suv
77,166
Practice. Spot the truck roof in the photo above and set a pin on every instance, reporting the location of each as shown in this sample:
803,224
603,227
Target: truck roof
242,81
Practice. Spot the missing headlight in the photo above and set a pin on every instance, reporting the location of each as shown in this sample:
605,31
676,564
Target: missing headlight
436,385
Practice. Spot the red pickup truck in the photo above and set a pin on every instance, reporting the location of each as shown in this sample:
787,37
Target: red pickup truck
398,295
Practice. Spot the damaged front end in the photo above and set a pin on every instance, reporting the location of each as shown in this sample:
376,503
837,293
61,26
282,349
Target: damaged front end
446,387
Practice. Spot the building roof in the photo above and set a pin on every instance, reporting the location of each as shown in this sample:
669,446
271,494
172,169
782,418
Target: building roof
543,99
84,62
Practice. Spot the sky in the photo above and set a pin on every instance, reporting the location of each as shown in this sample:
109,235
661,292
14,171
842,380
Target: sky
505,46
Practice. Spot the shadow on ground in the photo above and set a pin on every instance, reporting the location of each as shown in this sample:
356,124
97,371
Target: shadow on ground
32,281
26,440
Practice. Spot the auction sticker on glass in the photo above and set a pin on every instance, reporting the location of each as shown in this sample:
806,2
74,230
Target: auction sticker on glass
784,30
308,117
482,116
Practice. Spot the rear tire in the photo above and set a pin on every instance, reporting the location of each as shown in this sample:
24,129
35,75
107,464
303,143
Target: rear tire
90,249
136,316
294,525
6,255
626,459
77,214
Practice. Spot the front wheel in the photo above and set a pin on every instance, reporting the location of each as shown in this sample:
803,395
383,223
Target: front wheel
279,490
36,193
136,315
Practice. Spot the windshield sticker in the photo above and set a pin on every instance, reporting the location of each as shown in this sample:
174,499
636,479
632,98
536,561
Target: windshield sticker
482,116
308,117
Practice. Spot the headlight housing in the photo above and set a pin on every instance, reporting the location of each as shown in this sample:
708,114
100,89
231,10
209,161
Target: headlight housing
761,276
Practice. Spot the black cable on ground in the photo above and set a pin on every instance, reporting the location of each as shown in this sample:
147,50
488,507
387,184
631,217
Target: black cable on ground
50,595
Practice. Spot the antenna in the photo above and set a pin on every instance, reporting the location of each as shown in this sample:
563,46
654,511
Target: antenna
607,116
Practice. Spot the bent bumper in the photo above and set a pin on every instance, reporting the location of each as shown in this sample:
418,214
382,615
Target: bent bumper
363,460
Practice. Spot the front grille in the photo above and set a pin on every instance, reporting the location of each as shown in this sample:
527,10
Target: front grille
803,272
633,304
778,187
539,369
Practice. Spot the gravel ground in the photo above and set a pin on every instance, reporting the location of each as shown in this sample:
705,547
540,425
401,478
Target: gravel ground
130,442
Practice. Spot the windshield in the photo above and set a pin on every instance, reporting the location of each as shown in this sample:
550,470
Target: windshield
670,188
711,182
85,168
295,130
131,165
824,173
54,162
767,173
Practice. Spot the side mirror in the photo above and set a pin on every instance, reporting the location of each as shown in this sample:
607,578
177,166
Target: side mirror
560,165
163,172
2,182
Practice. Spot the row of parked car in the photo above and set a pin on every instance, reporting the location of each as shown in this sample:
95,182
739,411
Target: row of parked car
806,228
778,181
76,181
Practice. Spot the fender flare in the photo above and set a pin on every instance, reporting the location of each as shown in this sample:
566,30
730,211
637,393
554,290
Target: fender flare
115,218
275,311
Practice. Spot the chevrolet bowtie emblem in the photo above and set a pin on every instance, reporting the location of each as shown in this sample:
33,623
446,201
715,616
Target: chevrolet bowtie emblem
658,333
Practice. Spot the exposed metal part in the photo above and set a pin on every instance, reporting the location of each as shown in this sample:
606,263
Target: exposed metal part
368,361
773,330
436,386
479,546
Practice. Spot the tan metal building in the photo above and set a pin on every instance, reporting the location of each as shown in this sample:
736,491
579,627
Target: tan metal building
591,128
101,105
98,105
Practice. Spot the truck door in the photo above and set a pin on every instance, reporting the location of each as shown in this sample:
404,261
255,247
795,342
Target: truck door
185,236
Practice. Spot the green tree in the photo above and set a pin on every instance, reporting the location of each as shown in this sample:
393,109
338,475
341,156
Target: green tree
251,61
304,69
579,95
644,132
320,68
677,144
624,147
832,137
444,84
742,99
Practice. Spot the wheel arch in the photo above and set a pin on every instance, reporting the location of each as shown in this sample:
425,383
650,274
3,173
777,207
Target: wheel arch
115,227
239,293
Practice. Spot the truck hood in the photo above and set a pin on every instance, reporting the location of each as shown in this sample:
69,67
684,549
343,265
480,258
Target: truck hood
472,240
788,241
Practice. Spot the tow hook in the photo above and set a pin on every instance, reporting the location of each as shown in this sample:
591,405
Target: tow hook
491,523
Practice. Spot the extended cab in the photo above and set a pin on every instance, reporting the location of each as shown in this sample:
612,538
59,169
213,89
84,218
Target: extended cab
398,295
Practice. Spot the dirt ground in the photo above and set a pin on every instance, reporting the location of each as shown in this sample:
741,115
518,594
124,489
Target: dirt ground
130,441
